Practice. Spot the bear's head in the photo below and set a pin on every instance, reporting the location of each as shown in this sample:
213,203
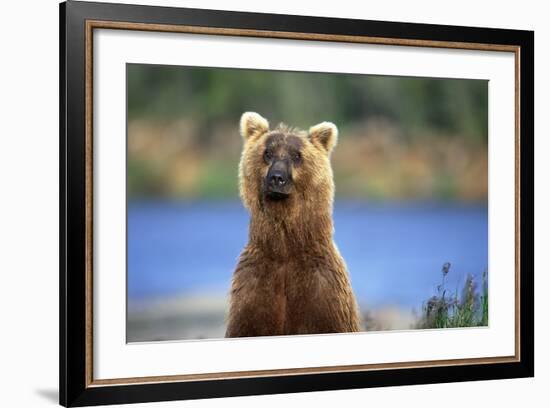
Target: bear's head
286,172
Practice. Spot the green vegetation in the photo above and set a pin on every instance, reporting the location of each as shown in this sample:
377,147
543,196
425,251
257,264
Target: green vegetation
400,137
469,309
216,95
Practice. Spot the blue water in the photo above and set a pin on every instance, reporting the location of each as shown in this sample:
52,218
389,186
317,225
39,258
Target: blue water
394,252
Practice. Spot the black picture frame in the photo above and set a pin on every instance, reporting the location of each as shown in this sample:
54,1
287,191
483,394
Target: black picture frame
75,387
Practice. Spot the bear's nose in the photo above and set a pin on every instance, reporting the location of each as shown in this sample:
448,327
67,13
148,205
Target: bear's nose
277,179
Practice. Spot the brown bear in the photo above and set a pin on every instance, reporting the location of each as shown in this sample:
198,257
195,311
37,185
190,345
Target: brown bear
290,278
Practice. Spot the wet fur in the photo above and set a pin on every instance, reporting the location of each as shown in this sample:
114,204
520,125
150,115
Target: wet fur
290,278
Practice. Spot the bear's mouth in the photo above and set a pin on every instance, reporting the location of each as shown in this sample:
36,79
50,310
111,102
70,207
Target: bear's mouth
276,195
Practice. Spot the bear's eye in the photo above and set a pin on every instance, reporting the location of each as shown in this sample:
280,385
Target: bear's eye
296,157
268,155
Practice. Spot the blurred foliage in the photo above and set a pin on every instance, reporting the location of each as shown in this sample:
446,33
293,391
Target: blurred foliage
400,137
470,308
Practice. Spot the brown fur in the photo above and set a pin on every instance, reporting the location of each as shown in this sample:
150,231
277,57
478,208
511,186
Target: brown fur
290,278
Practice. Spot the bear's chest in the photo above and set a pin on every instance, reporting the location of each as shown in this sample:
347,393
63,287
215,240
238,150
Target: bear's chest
304,295
298,283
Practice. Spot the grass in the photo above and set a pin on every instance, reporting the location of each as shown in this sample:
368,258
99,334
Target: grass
469,308
171,159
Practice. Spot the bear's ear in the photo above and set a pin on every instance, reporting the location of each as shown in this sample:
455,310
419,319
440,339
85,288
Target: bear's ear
253,125
324,135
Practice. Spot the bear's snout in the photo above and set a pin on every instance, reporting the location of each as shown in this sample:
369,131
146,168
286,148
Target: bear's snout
278,180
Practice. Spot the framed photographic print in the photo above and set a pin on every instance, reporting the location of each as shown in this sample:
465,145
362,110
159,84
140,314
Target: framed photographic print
256,203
